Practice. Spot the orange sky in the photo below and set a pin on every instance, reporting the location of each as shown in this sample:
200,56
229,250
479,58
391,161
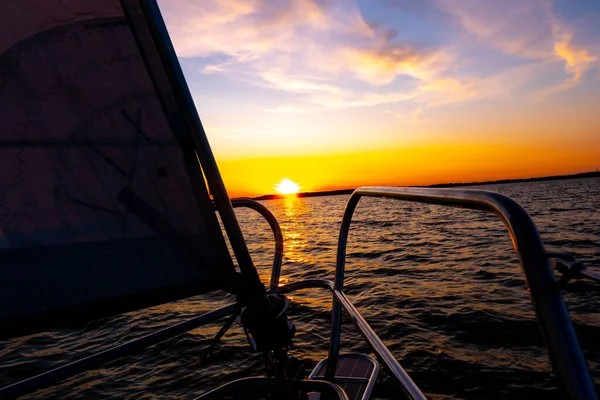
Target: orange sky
342,94
409,166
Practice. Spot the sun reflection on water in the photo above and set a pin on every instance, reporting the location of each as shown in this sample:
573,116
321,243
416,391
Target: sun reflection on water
292,237
291,205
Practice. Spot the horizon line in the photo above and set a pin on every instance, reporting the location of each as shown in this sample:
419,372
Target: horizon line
589,174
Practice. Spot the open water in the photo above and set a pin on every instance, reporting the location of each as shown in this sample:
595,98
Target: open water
442,287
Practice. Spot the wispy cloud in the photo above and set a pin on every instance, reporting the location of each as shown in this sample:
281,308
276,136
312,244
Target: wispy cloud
327,55
413,118
526,29
516,27
301,46
577,60
290,109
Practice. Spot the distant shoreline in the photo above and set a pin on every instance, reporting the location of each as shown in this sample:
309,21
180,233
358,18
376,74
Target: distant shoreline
594,174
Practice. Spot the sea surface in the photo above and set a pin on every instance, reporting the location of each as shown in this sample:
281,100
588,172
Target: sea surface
441,286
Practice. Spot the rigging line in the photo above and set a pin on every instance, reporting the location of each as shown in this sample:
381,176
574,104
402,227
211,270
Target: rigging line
137,127
93,206
136,148
110,161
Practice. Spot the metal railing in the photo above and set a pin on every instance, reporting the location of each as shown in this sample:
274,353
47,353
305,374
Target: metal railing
563,347
277,235
565,353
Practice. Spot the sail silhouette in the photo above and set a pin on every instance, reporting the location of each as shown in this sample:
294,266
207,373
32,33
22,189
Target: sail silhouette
103,204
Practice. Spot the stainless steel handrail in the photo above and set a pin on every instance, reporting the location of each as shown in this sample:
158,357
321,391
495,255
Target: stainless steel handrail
565,353
278,236
378,347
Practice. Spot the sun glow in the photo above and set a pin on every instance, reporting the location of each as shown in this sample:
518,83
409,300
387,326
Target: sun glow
287,186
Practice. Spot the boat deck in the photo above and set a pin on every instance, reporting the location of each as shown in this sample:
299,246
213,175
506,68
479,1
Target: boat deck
355,374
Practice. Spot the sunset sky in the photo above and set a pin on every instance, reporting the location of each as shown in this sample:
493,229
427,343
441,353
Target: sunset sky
339,93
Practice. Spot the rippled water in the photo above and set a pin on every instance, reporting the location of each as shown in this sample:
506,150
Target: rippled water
442,288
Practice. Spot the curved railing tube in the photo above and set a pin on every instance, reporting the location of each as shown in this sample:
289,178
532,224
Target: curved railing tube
278,236
565,353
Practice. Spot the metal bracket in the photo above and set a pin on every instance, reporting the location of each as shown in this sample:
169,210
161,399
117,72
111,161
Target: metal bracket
569,267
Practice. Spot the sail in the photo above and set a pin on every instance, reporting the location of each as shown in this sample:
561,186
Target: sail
103,205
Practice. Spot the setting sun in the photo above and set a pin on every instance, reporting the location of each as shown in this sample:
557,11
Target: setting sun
287,186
